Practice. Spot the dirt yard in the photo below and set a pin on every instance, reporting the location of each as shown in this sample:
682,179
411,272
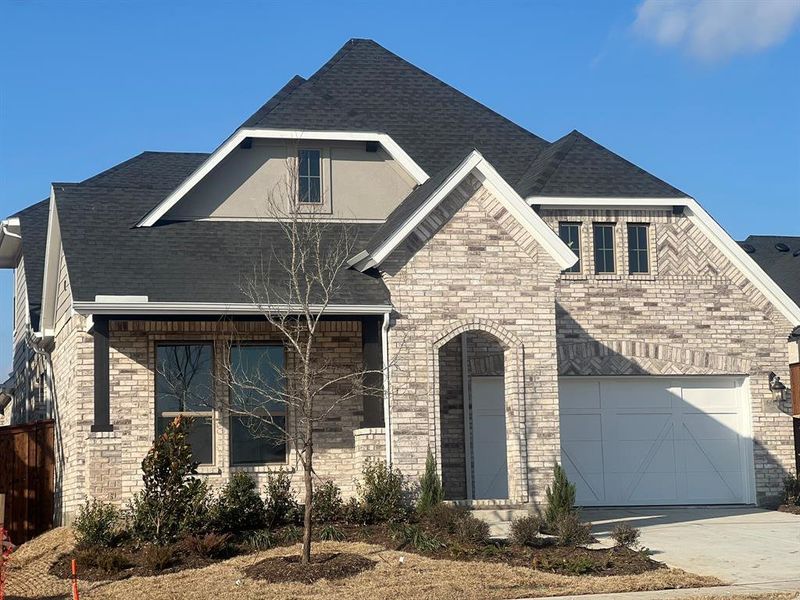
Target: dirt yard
413,577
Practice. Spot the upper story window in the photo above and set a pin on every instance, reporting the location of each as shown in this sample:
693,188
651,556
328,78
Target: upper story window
258,419
184,388
310,176
570,234
604,248
638,249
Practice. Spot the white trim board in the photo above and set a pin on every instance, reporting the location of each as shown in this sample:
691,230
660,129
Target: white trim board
475,162
233,142
217,308
706,223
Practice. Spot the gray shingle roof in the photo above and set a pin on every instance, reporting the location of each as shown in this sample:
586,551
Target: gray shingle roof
106,255
33,226
782,266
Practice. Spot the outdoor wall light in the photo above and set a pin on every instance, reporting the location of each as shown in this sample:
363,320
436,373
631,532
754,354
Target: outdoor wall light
778,389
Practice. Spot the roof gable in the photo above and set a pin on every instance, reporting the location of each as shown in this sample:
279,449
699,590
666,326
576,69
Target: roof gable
783,266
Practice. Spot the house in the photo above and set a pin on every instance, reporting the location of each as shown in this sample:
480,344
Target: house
779,256
532,302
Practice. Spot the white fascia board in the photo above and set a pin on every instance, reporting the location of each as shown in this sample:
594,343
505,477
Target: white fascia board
10,243
578,202
218,308
49,279
706,223
503,191
229,145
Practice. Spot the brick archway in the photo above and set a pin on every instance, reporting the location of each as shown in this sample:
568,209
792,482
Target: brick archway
514,396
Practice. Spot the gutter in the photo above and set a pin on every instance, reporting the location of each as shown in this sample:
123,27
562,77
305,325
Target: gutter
216,308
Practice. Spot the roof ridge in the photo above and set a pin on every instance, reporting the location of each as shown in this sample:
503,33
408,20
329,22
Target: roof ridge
282,94
560,155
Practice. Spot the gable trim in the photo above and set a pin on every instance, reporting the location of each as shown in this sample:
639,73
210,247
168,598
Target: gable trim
50,276
392,147
710,228
491,179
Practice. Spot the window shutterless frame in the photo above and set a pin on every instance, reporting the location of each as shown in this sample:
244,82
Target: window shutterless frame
570,234
207,414
604,248
309,172
638,248
280,412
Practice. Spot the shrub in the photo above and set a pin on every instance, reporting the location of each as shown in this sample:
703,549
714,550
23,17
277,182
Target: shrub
560,497
172,501
96,524
280,506
331,533
570,531
157,558
209,545
625,535
326,503
791,491
110,560
525,531
472,530
384,494
353,512
430,486
292,534
239,507
256,541
416,537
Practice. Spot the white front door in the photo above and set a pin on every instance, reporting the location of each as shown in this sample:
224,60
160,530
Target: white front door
656,440
490,468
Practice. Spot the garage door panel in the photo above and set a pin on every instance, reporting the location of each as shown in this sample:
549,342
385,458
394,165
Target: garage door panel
582,394
631,394
646,444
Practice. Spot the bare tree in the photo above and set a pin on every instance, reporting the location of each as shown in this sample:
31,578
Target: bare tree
295,278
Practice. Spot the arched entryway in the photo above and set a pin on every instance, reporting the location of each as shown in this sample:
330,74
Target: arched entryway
472,417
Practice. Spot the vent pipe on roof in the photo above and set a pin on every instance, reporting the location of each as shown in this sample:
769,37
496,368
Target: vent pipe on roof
781,247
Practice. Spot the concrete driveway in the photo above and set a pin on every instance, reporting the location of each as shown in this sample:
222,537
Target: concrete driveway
738,545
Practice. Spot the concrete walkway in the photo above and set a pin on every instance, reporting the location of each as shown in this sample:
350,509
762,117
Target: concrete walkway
755,550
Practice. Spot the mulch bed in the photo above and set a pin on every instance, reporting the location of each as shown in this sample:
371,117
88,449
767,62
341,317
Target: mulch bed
790,508
131,566
329,565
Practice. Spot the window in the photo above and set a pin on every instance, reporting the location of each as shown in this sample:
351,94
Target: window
184,387
604,248
570,234
310,183
638,261
258,420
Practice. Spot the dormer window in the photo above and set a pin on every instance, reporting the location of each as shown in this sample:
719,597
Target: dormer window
310,176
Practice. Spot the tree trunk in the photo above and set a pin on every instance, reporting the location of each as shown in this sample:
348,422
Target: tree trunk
308,470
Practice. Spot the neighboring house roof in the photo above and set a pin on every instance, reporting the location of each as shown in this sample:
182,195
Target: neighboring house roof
33,228
107,255
576,166
779,256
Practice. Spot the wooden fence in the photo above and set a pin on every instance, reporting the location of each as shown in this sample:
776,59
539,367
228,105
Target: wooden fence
27,470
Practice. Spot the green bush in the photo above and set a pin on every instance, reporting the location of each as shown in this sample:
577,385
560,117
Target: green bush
239,507
430,486
415,536
209,545
280,506
560,497
110,560
326,504
570,531
525,531
457,522
791,491
384,493
353,513
157,558
172,501
291,534
625,535
331,533
472,530
256,541
97,524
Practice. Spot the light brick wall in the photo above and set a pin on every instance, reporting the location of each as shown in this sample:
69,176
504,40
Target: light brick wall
695,313
471,266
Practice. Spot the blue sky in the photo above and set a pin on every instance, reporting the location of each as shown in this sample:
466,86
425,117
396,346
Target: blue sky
703,94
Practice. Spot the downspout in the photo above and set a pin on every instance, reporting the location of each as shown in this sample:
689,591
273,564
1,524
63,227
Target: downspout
8,233
387,418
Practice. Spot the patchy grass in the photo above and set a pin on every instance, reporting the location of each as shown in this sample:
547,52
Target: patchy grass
415,577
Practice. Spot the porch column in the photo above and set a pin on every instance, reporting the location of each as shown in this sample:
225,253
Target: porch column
102,409
372,353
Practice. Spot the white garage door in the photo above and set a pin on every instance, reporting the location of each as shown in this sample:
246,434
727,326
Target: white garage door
656,441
